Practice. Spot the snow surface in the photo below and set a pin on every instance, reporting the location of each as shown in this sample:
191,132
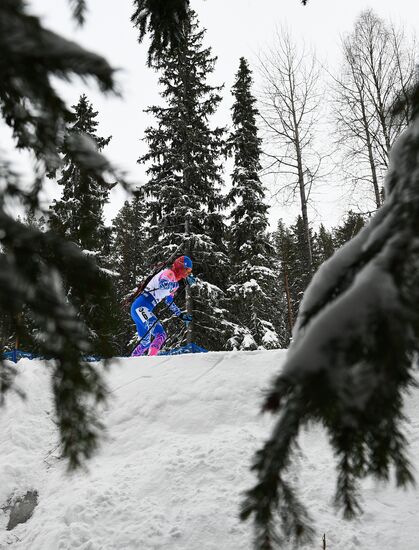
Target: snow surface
181,432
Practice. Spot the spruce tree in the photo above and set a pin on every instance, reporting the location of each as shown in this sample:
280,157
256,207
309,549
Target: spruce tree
294,270
164,21
78,217
130,259
28,339
351,226
184,201
283,242
254,287
32,262
300,272
351,364
323,246
7,339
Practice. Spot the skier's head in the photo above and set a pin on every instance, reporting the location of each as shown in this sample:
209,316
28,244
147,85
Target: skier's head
182,267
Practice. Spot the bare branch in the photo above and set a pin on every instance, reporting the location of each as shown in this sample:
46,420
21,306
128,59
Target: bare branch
290,108
377,70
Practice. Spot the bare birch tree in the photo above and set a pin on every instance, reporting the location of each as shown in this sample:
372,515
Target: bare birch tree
378,69
289,107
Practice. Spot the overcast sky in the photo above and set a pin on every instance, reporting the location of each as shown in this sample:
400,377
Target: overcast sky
235,28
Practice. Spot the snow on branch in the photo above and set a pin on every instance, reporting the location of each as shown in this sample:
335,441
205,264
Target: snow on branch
351,361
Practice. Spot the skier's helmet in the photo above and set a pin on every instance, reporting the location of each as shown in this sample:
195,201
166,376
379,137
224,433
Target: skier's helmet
182,266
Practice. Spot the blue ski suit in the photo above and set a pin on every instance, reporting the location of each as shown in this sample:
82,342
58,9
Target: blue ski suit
161,287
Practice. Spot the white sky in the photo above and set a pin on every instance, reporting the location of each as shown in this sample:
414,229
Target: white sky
235,28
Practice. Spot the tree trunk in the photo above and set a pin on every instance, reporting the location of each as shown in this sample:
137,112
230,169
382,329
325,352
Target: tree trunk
303,201
371,157
379,107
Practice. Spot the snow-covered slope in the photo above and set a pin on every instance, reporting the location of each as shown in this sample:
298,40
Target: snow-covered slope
181,432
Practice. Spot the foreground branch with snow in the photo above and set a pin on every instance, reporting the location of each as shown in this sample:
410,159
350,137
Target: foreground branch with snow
351,363
181,431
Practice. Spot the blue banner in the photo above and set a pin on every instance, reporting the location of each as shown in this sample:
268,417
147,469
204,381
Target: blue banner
17,354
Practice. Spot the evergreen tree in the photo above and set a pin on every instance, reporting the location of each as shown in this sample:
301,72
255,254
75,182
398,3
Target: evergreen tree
326,242
352,224
294,270
28,339
78,217
351,363
283,242
183,191
31,262
163,19
7,340
300,272
131,261
254,282
323,246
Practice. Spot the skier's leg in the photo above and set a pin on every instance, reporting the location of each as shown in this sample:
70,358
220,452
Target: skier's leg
159,339
142,317
145,339
139,350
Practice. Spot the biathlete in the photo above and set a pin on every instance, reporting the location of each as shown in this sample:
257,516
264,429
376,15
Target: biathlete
161,287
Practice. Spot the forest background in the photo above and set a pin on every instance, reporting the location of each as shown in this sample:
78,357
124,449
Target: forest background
64,271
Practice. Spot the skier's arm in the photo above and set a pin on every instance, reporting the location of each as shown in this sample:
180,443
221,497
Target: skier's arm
172,306
167,283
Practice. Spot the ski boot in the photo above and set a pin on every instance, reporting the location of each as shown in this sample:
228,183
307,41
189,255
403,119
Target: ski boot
157,343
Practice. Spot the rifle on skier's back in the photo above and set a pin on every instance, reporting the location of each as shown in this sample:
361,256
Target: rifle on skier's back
128,299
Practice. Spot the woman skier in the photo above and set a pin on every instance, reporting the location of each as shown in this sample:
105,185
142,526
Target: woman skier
160,287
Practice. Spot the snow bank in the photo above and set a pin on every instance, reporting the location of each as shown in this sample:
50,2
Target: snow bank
181,432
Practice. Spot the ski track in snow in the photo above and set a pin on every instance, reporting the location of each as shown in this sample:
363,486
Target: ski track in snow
170,474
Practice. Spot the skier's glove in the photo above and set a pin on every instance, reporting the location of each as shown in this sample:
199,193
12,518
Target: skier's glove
190,280
186,318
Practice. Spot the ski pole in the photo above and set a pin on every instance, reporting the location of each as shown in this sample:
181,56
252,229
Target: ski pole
148,331
179,334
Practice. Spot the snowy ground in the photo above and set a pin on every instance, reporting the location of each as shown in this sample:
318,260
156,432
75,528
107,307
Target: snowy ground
181,432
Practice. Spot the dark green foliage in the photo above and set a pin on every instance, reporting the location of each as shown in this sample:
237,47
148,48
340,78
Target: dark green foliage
79,8
294,265
7,338
130,258
301,270
322,246
183,191
33,262
78,217
294,271
352,359
407,105
164,20
30,271
29,57
283,242
254,282
350,227
27,339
